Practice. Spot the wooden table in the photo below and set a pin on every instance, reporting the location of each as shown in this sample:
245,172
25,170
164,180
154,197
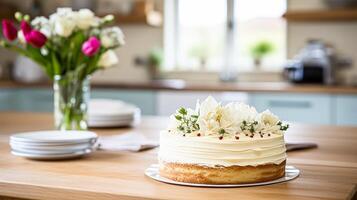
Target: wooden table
328,172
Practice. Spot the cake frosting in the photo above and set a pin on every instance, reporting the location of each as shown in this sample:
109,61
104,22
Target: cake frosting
210,151
217,135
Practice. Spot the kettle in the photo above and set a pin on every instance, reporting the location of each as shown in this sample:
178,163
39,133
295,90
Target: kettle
315,63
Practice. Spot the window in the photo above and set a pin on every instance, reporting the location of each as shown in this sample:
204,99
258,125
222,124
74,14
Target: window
213,34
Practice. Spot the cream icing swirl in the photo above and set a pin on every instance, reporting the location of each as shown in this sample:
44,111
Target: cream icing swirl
209,151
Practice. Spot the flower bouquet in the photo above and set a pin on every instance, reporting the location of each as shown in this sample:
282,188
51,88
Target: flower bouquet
69,46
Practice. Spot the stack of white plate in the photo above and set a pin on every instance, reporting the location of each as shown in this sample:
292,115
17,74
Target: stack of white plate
112,113
53,145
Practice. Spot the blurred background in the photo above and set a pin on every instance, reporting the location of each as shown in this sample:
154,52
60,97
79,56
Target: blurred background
297,58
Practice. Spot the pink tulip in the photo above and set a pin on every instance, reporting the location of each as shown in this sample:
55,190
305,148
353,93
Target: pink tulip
9,30
32,36
36,38
25,27
91,46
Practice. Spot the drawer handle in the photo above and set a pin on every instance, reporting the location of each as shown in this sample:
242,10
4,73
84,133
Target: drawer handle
290,104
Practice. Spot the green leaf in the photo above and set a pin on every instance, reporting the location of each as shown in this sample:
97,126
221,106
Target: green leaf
178,117
182,111
55,64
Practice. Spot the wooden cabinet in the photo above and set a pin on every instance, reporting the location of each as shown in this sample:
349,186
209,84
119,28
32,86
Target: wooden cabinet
346,109
304,108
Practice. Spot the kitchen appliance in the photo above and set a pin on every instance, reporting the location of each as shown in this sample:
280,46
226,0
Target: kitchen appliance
315,63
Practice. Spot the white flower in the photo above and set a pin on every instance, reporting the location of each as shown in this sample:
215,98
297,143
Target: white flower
268,119
108,18
244,112
85,18
63,22
214,117
21,37
108,59
111,37
43,25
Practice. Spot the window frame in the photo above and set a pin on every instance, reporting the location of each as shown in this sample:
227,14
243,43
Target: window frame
172,38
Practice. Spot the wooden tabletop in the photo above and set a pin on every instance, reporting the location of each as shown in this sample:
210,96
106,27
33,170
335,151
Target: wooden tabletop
180,85
328,172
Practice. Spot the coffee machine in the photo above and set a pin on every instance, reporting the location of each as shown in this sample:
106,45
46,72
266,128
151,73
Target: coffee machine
315,63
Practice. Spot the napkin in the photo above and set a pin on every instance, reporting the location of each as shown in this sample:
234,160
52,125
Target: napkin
299,146
130,141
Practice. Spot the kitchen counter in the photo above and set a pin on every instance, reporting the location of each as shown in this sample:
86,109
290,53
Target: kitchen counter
328,172
179,85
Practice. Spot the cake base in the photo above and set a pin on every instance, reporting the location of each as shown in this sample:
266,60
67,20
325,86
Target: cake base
191,173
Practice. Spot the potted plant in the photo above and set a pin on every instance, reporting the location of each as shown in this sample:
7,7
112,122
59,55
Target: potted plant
69,46
260,50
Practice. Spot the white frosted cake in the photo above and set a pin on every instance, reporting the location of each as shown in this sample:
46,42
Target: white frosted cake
222,144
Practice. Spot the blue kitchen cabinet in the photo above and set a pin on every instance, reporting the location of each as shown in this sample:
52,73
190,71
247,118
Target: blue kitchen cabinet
8,100
346,109
31,100
41,100
303,108
35,100
144,99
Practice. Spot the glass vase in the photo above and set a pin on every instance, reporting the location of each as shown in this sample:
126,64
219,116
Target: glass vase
71,96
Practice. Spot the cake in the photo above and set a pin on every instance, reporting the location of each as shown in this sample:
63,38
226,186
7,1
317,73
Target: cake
222,144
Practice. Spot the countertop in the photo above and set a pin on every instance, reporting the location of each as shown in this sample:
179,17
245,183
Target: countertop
328,172
180,85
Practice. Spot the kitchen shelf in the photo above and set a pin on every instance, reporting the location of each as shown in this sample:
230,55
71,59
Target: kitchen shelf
322,15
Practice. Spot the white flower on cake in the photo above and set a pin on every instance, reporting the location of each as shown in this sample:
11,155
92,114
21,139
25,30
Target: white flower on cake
268,118
233,119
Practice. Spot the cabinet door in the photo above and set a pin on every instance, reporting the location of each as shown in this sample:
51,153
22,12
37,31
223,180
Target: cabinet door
145,100
30,100
346,110
7,100
35,100
304,108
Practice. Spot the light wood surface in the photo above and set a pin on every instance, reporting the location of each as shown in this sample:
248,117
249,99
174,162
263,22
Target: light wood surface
180,85
328,172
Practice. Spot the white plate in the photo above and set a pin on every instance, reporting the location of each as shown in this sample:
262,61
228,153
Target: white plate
110,118
51,149
52,157
49,152
290,173
55,137
33,145
50,145
110,123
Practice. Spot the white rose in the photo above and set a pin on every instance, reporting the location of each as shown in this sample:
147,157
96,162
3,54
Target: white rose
268,118
111,37
63,22
85,18
108,59
64,27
